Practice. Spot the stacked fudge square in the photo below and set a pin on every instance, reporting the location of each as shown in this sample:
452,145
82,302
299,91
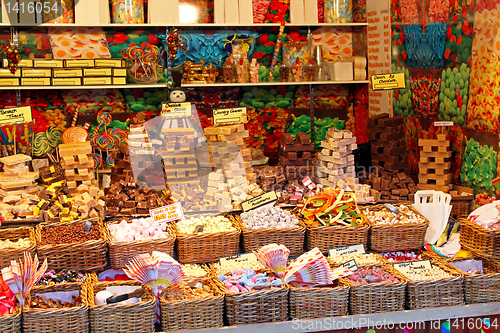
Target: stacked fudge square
143,153
335,164
435,164
296,156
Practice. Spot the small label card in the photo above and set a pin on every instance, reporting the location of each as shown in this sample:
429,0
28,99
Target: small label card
350,265
388,81
167,213
240,258
351,249
406,266
230,116
20,114
267,198
176,109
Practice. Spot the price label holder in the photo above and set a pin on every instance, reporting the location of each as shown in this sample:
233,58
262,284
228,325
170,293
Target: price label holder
350,265
20,114
176,109
263,200
444,123
230,116
240,258
388,81
351,249
405,267
167,213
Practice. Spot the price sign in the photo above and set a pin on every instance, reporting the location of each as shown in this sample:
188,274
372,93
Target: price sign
240,258
388,81
176,109
20,114
443,123
351,249
167,213
350,265
230,116
405,267
264,199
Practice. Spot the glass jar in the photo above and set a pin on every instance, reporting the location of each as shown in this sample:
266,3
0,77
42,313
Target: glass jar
61,11
127,11
338,11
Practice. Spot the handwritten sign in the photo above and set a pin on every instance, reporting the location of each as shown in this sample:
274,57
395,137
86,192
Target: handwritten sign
388,81
20,114
351,249
229,116
240,258
176,109
405,267
443,123
350,265
259,201
167,213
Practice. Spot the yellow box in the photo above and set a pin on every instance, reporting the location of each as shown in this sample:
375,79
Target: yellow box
22,63
31,81
52,63
5,72
9,82
72,63
97,71
36,72
67,81
95,81
63,72
110,63
119,72
119,80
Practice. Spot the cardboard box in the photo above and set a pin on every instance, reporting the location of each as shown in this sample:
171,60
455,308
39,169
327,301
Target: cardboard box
311,11
96,81
246,11
5,72
163,11
39,81
67,81
219,17
110,63
9,82
119,72
119,80
22,63
36,72
297,11
77,63
97,71
48,63
63,72
231,11
92,12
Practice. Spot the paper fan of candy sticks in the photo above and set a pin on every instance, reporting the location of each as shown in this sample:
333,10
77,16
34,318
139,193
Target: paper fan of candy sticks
22,276
309,270
157,270
274,257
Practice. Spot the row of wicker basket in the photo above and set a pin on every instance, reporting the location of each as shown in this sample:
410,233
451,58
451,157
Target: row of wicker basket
271,305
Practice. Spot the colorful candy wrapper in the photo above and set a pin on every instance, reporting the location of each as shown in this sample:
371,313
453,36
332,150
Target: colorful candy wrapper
274,257
21,277
310,269
157,270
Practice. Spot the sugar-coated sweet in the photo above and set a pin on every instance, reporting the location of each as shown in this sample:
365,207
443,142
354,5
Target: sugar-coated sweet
194,270
19,244
269,218
205,225
372,275
245,280
361,259
401,256
137,229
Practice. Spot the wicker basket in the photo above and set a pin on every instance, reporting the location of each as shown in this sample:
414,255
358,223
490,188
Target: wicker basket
333,236
68,320
120,253
292,238
8,254
481,288
435,293
462,204
377,297
397,236
262,306
11,323
308,303
193,314
378,258
121,317
84,257
201,248
480,240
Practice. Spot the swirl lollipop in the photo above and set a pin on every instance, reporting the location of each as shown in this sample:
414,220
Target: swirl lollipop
110,160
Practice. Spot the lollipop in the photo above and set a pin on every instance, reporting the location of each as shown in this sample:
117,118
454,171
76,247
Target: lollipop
97,160
104,118
41,144
110,160
74,135
54,136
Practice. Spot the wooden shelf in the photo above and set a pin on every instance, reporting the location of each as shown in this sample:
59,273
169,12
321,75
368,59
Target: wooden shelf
164,85
345,323
204,25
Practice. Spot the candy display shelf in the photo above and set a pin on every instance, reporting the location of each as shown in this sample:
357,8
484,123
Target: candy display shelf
164,85
397,319
209,25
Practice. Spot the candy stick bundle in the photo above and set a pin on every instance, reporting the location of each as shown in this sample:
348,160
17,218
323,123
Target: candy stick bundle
21,277
309,270
157,270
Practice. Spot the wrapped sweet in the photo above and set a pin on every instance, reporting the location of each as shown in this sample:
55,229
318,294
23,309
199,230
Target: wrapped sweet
205,225
361,259
61,276
246,279
269,218
136,229
372,275
385,216
397,256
